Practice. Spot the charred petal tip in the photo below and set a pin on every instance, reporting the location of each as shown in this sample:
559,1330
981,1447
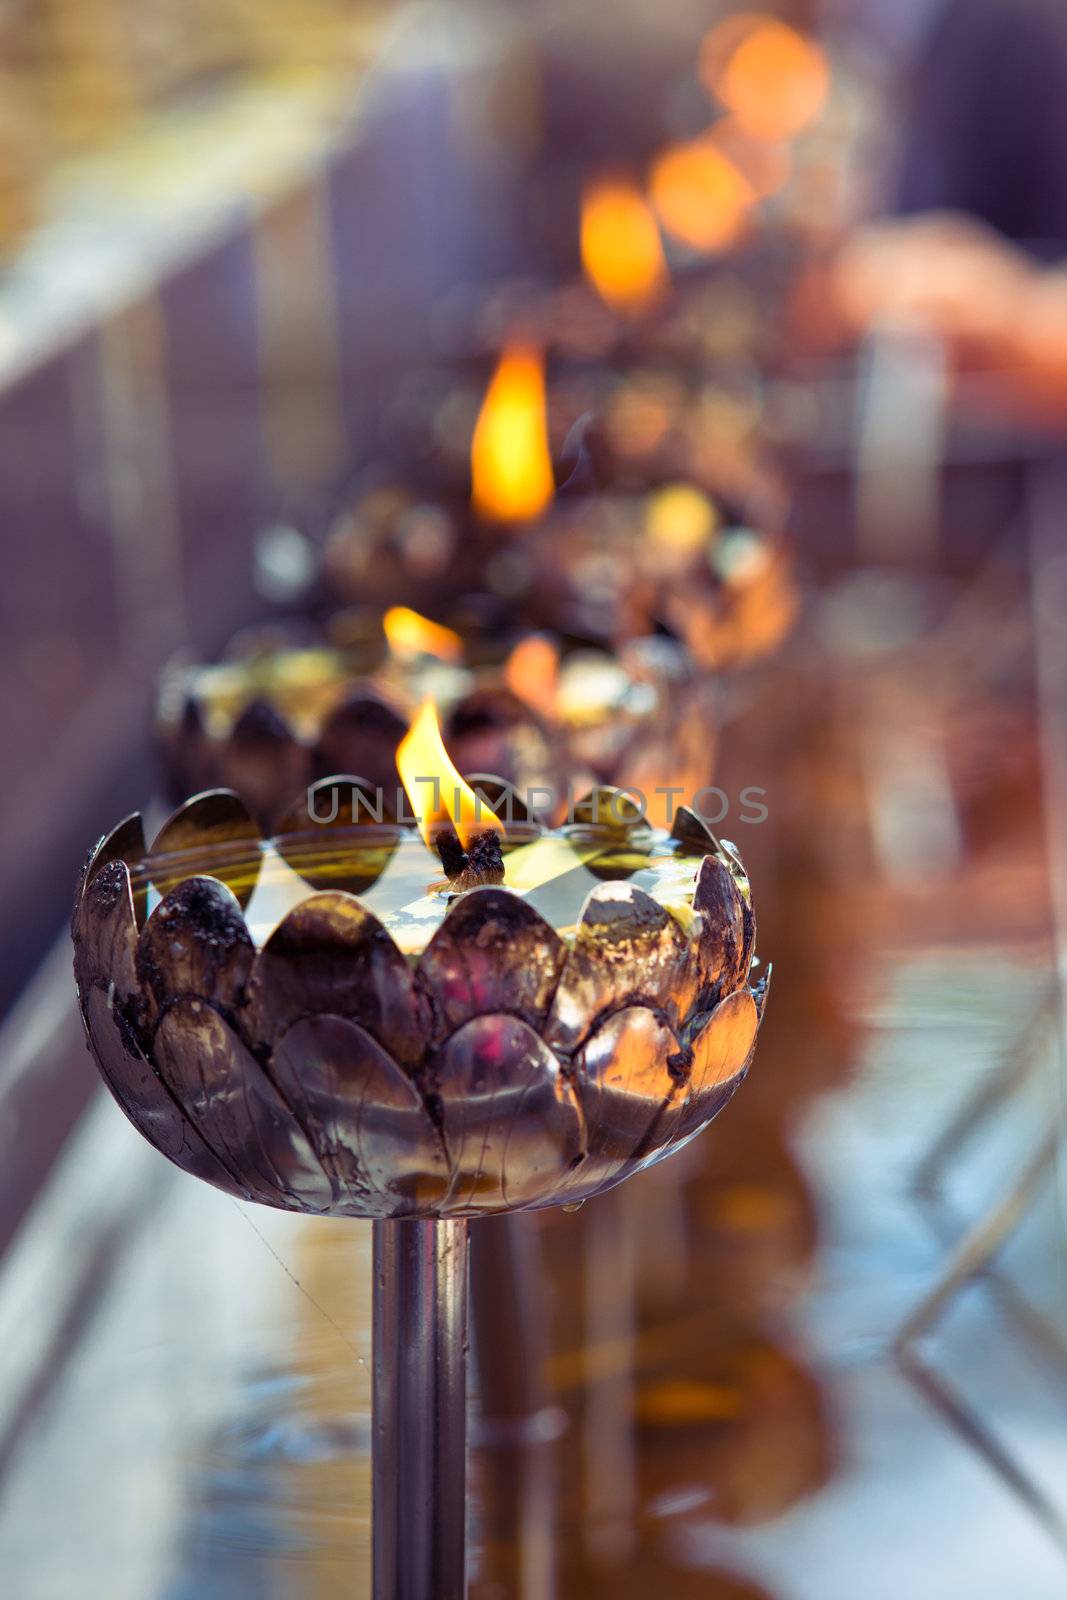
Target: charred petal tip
105,932
762,988
732,856
196,942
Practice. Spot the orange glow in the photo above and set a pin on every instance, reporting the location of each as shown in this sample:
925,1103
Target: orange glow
772,78
410,635
680,520
532,672
700,196
622,252
511,468
437,793
638,415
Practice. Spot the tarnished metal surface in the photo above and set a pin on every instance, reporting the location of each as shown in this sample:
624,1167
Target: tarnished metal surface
507,1066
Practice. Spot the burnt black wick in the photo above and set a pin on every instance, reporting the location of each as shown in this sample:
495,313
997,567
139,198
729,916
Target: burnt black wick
482,862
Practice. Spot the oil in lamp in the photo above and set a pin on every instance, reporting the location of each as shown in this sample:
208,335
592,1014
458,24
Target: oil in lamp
421,1026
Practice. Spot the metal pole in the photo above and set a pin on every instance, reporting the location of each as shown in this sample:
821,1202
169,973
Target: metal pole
420,1411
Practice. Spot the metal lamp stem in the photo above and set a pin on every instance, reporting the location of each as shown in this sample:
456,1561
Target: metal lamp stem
420,1410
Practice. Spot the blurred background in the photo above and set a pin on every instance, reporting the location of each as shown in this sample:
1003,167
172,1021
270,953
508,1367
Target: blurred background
252,257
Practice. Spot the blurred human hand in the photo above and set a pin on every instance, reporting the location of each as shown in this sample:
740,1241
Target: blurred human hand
943,272
1001,318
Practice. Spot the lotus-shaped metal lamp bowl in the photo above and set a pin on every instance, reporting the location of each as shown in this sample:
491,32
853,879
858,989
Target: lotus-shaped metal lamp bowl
328,1068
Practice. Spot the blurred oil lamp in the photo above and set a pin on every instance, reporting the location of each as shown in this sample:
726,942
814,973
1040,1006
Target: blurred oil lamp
686,323
628,708
637,719
493,476
627,341
681,396
547,718
624,568
320,1022
275,718
631,305
670,459
511,468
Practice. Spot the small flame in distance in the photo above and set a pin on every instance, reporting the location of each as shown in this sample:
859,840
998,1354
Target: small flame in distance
410,635
622,252
511,467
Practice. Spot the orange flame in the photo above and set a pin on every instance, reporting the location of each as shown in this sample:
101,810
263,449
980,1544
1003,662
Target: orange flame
511,468
437,793
532,672
772,78
700,196
410,635
622,252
